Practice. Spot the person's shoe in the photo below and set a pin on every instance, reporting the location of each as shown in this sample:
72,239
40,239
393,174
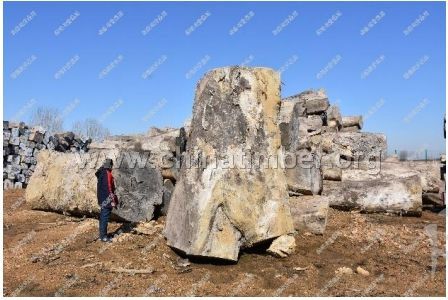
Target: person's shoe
106,240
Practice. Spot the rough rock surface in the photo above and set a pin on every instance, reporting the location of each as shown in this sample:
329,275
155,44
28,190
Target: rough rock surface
283,246
358,145
316,102
66,182
303,172
309,213
402,195
215,209
165,146
350,121
168,188
334,118
331,167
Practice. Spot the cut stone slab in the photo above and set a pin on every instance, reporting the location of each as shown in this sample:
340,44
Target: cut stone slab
399,195
357,145
349,121
309,213
303,172
283,246
66,182
316,102
216,210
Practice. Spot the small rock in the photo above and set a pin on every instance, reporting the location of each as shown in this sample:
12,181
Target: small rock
300,269
282,246
361,271
344,271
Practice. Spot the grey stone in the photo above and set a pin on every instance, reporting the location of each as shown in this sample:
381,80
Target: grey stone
309,213
303,172
401,195
349,121
216,210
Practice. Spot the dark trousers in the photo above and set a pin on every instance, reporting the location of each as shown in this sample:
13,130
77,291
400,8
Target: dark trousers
104,219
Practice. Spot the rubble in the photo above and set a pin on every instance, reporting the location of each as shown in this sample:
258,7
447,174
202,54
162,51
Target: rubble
21,145
215,210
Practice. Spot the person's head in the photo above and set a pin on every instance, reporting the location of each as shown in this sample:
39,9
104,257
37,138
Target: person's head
108,163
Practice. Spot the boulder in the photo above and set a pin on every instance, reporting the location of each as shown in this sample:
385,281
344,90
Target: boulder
309,213
66,182
399,195
219,206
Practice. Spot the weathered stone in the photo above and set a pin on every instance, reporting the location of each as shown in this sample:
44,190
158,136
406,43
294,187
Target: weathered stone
331,167
349,121
303,172
168,188
334,118
66,182
309,213
402,195
316,102
350,129
359,145
283,246
8,184
216,210
36,136
14,140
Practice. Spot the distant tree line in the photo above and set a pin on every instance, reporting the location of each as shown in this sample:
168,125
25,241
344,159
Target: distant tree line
51,120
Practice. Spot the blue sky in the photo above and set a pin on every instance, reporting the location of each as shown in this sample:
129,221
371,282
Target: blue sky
409,111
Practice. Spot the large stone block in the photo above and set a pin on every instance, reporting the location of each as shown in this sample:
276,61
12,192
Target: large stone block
400,195
357,145
349,121
216,209
316,102
66,182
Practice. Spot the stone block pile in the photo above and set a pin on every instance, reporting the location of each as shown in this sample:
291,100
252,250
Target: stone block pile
207,179
21,144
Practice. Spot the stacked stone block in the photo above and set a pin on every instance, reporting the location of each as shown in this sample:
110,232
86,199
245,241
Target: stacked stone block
21,144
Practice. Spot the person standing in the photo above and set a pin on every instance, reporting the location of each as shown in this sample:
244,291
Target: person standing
107,199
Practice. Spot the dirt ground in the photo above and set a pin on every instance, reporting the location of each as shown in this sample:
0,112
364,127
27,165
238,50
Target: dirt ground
48,254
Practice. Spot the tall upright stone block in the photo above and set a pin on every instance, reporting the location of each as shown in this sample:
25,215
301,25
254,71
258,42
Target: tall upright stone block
215,209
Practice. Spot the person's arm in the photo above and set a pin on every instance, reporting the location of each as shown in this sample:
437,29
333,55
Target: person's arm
110,182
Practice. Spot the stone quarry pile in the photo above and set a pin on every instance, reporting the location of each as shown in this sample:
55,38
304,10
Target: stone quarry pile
21,145
250,168
327,156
